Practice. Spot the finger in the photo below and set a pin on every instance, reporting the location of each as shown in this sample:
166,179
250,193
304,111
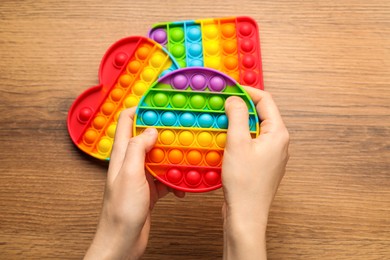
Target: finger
179,193
267,110
123,134
138,146
238,117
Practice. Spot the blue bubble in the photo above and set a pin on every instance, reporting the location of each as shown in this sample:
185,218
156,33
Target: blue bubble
206,120
196,63
168,118
195,49
194,33
222,122
149,117
187,119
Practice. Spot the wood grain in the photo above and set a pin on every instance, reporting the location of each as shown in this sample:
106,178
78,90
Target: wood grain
326,64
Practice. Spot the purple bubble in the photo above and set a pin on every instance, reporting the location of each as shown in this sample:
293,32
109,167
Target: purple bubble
160,36
198,82
217,83
180,82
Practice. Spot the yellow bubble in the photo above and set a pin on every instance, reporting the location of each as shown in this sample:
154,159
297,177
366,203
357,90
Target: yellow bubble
167,137
111,130
204,139
186,138
130,101
211,47
148,74
211,31
221,140
139,88
104,145
213,62
167,65
157,60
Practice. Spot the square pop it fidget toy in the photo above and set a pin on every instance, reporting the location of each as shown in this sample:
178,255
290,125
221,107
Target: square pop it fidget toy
126,71
187,109
230,45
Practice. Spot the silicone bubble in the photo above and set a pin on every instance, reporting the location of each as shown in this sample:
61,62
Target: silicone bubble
127,70
187,109
230,45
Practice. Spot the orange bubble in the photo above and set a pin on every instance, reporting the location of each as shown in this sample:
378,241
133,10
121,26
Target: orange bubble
175,156
99,122
167,137
213,158
229,46
143,52
125,80
228,30
194,157
186,138
204,139
116,94
134,66
108,108
230,62
90,136
221,140
156,155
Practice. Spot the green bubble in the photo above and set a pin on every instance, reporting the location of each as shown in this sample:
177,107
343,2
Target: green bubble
178,50
160,100
182,63
176,34
178,100
197,101
216,103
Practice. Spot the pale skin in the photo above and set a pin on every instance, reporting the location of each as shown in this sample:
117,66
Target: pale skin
251,172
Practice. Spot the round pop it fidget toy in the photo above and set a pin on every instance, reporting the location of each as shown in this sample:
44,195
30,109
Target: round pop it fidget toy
126,71
230,45
187,108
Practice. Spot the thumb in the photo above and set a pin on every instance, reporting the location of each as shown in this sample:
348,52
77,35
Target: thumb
238,117
137,148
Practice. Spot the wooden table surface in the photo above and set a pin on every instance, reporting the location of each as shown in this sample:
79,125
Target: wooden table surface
326,64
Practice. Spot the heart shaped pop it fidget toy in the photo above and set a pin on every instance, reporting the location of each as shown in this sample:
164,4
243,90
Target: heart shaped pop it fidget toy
230,45
187,108
126,71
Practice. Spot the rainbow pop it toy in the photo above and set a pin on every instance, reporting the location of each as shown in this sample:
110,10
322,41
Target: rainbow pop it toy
187,108
126,71
230,45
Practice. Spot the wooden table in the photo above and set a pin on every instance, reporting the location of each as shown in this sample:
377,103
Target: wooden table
326,64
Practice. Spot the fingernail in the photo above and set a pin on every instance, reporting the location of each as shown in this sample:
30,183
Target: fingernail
150,131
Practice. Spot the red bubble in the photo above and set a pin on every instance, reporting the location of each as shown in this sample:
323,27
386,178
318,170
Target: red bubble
193,178
174,176
247,45
245,29
212,178
250,77
120,59
85,114
248,61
